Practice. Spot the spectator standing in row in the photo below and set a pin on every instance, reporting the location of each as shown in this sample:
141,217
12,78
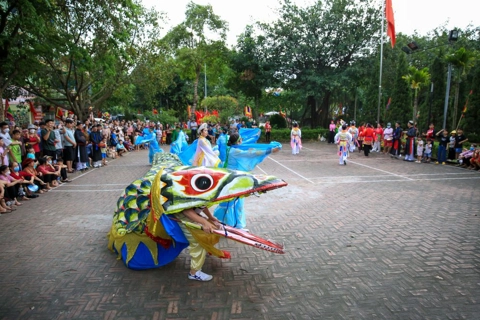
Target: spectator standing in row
397,143
15,154
48,139
268,130
33,139
451,145
96,138
459,140
443,140
69,145
387,138
410,143
81,156
59,130
419,150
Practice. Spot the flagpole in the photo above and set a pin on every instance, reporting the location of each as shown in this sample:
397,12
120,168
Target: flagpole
381,64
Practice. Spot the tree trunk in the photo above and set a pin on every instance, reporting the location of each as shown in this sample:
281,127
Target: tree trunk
2,110
325,110
195,92
455,104
415,105
312,103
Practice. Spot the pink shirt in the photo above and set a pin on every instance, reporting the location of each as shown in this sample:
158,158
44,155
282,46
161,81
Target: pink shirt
332,127
6,178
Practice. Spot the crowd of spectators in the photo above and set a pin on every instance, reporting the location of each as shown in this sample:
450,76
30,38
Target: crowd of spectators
37,157
414,145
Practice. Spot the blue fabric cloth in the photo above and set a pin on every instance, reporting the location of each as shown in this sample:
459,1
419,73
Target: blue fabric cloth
142,259
149,137
232,213
180,144
244,157
250,135
186,156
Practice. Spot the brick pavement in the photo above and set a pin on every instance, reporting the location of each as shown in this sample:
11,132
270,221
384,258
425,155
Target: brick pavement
376,239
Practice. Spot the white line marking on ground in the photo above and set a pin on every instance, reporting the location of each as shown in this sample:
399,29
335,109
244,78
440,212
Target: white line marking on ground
261,170
399,180
291,170
364,165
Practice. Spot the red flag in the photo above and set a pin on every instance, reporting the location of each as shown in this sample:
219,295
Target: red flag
7,106
155,111
59,114
388,103
390,22
8,115
32,109
466,103
248,112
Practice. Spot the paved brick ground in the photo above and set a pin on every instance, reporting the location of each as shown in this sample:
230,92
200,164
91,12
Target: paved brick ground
376,239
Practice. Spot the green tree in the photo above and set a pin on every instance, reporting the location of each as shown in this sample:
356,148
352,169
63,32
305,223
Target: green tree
23,26
191,47
462,60
90,47
416,79
310,48
225,105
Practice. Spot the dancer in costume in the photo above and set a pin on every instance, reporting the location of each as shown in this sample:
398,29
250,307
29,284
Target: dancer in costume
354,133
377,146
296,139
410,144
244,157
180,144
368,135
204,154
149,136
161,214
343,139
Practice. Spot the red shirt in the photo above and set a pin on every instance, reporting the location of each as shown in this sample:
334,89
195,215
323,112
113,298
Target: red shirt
368,134
268,127
36,146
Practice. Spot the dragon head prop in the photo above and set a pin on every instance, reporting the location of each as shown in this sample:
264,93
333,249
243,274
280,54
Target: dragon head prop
168,188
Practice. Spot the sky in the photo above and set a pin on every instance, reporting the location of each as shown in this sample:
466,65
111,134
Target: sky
410,15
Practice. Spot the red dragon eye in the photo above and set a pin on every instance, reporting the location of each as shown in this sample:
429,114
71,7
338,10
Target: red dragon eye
195,182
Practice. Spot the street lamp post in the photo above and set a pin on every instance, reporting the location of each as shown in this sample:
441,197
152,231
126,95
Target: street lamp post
447,95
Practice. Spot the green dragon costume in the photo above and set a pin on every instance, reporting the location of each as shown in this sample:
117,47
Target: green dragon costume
145,232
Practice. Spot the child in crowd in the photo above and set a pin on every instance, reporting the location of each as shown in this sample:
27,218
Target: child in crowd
62,169
121,148
16,147
30,152
419,149
459,140
451,145
427,155
3,153
164,137
103,149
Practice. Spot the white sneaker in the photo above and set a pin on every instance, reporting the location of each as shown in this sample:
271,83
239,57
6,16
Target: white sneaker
200,276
